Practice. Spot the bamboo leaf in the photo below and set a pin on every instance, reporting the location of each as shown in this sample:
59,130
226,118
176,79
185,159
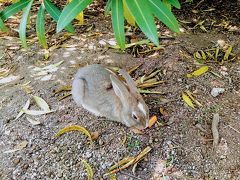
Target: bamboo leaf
227,53
70,12
40,27
144,18
23,24
41,103
187,100
89,170
36,112
127,14
107,8
118,22
198,72
75,128
55,14
3,28
164,15
175,3
13,9
26,106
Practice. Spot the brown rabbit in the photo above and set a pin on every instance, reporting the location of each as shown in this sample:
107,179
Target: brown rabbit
101,92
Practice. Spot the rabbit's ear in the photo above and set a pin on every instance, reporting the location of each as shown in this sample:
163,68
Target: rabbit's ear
119,88
130,82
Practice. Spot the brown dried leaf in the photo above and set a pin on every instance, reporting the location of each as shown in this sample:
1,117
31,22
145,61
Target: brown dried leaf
152,121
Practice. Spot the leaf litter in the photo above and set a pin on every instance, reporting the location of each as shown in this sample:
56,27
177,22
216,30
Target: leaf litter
128,161
75,128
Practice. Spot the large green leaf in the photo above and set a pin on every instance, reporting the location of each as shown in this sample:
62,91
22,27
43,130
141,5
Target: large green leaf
3,28
144,18
175,3
55,14
40,27
13,9
23,24
164,14
118,22
107,8
70,12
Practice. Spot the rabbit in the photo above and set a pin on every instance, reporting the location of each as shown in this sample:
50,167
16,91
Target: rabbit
101,92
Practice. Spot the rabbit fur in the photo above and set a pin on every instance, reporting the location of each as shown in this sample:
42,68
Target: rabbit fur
102,93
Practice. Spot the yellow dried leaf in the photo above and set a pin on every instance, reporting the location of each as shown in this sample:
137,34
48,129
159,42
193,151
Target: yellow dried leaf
63,88
113,177
192,98
134,68
122,162
187,100
227,53
74,128
88,169
128,15
142,154
152,121
147,85
126,162
198,72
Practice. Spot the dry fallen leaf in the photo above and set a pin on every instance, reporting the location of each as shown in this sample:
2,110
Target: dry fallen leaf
152,121
198,72
89,170
187,100
36,112
26,106
41,103
33,121
135,130
94,135
74,128
126,162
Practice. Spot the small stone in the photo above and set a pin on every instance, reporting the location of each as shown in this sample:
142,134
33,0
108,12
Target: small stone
88,155
25,166
100,142
216,91
16,161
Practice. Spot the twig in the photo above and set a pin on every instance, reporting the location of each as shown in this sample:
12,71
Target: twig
232,128
215,132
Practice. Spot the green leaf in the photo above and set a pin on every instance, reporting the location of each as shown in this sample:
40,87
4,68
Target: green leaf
144,18
3,28
164,14
118,22
107,8
70,12
40,27
55,14
23,24
13,9
175,3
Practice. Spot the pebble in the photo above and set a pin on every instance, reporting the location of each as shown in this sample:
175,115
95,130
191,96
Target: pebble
100,142
25,166
216,91
16,161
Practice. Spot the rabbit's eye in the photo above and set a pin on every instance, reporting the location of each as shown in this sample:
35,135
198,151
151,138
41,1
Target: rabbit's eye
134,116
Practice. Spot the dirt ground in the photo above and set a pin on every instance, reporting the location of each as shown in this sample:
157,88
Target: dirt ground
182,147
